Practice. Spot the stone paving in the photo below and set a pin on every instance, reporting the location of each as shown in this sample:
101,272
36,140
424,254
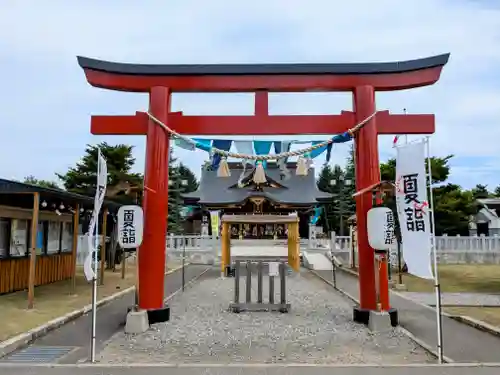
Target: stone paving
456,299
319,329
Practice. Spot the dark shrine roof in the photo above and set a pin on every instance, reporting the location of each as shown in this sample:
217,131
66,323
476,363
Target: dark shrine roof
263,69
297,190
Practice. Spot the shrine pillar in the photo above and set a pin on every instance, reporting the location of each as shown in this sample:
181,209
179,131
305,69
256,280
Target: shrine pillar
367,174
155,203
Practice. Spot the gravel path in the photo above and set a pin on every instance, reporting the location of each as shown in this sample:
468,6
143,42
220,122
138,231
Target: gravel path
319,329
456,299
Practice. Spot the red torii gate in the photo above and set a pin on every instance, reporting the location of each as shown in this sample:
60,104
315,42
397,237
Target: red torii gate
160,81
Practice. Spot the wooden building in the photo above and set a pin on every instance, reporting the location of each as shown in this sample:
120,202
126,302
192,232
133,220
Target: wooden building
279,195
39,229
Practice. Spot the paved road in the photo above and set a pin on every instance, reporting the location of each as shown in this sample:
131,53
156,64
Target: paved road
249,370
110,319
461,342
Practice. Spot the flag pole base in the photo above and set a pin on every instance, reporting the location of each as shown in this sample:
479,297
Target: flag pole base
154,315
364,316
137,322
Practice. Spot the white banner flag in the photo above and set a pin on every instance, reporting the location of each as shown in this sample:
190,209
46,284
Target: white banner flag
102,178
413,208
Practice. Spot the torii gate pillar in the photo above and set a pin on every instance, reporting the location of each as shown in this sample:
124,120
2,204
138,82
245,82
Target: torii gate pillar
362,80
367,174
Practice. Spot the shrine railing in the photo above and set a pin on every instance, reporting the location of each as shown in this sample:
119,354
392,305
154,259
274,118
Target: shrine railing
456,250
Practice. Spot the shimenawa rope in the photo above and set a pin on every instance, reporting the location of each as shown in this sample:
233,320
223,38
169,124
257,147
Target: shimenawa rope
281,155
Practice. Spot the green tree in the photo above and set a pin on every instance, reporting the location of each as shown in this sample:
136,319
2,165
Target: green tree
32,180
181,180
496,192
350,189
439,166
190,178
329,218
480,192
452,205
452,209
341,183
82,178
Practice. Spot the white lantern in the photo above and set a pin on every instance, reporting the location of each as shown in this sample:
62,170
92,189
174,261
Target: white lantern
130,226
381,229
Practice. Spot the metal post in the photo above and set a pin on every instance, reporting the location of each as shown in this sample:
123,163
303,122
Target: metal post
389,265
271,289
334,273
400,275
283,283
249,282
237,282
259,282
183,264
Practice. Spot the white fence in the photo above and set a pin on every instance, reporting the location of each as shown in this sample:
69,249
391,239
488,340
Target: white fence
450,250
206,250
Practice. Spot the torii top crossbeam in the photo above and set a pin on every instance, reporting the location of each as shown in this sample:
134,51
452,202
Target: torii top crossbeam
386,76
263,78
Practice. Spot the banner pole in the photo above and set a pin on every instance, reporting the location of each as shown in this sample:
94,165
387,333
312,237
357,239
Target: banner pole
406,135
94,279
439,315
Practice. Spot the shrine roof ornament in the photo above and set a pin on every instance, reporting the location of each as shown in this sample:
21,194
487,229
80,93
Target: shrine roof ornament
263,69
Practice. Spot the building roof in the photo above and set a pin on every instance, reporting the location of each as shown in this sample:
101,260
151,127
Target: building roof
489,201
297,190
18,194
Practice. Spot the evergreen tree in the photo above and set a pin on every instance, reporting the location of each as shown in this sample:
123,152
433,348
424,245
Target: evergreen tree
496,192
82,178
340,183
350,189
480,192
174,198
181,180
328,218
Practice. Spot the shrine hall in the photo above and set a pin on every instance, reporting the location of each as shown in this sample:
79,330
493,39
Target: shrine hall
238,194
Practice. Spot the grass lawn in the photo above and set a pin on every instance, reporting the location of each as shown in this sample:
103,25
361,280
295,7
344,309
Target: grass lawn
471,278
55,300
490,315
479,278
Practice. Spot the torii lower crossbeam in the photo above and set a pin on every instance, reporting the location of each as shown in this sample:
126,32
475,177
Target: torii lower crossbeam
262,125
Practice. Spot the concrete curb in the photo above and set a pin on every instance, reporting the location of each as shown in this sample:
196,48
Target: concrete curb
188,284
419,342
344,293
23,339
424,345
475,323
98,367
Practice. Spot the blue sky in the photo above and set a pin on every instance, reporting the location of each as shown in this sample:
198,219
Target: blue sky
46,102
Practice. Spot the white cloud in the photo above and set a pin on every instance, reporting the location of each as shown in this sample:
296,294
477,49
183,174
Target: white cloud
44,88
